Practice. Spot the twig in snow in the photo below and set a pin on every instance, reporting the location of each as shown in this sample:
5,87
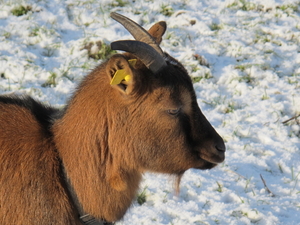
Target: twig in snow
293,118
266,187
237,174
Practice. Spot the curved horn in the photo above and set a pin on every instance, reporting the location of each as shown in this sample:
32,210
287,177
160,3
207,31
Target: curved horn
146,53
138,32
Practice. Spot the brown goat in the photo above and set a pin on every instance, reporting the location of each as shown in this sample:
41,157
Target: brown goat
90,157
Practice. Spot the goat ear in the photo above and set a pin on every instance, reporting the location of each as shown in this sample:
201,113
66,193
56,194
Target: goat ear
120,73
157,31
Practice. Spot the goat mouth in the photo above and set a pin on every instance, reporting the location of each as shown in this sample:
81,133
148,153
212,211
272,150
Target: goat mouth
213,160
206,165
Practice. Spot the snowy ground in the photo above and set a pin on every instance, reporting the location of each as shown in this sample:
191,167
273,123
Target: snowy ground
244,57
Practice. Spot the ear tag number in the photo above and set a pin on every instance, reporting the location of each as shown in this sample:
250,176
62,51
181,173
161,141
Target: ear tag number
122,75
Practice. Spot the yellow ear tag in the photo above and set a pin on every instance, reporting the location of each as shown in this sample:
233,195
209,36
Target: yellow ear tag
132,62
122,75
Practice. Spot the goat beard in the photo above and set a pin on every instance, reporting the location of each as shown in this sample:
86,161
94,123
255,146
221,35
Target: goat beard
177,183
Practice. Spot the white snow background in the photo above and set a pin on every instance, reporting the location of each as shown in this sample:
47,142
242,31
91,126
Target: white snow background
244,58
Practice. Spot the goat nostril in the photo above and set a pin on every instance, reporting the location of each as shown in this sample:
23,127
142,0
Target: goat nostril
221,147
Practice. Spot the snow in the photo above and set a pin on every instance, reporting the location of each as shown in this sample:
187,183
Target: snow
251,86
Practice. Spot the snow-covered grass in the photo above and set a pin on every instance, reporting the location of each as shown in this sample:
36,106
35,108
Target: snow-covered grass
244,58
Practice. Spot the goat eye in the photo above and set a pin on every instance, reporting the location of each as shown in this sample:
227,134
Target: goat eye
174,112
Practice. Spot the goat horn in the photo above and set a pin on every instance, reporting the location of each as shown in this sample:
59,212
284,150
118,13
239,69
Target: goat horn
138,32
146,53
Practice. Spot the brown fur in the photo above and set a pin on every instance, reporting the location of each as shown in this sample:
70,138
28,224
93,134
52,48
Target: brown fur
105,140
29,173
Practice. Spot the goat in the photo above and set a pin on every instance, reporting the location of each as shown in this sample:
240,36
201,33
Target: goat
134,113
